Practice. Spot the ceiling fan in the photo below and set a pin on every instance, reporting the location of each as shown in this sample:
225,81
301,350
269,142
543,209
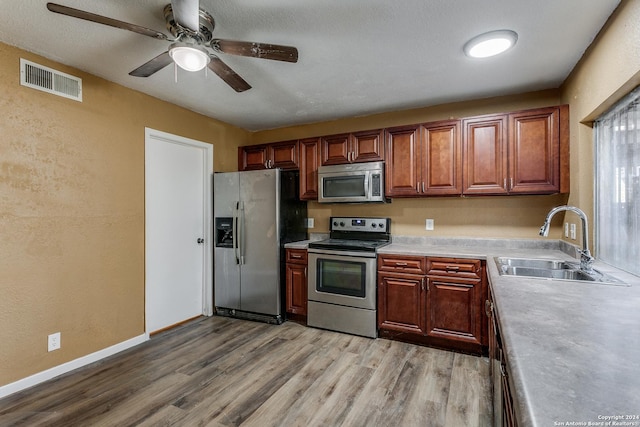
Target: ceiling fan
192,29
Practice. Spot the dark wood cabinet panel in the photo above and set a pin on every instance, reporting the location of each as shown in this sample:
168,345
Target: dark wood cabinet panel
485,152
296,281
358,147
444,307
253,157
367,146
284,155
534,151
268,156
335,149
402,164
309,162
424,160
402,264
525,152
454,309
504,414
401,298
441,158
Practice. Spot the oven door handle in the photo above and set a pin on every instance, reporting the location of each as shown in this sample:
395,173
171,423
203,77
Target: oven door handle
342,254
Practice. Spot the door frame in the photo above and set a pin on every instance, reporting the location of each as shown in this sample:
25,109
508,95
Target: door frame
207,285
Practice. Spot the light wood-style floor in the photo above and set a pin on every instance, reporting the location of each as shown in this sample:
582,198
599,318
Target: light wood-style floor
227,372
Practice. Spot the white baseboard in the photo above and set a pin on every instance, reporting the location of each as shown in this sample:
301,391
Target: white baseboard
43,376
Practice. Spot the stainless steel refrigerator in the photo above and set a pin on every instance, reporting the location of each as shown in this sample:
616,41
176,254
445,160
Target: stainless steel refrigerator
255,214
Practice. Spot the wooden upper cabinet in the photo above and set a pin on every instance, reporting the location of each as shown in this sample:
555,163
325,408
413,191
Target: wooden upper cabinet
367,146
525,152
441,158
485,153
358,147
309,161
424,160
268,156
534,155
335,149
253,157
402,164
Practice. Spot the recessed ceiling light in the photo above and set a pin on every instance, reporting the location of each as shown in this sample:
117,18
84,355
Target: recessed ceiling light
490,44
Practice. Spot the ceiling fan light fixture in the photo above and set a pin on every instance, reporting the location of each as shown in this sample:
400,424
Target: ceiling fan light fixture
189,57
490,44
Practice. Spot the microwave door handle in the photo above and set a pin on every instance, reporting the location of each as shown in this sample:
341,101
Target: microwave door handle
366,185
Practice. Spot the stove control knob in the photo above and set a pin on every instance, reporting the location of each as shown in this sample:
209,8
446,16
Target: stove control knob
381,225
373,225
335,223
341,224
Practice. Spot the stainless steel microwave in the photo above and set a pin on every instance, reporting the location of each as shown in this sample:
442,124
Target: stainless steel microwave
351,183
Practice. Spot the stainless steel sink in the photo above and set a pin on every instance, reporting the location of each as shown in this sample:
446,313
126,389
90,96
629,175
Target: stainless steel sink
547,264
551,270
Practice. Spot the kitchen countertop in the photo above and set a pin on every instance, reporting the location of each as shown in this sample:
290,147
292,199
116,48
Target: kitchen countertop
573,348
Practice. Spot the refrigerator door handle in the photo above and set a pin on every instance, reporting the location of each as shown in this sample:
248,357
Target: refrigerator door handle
235,232
241,236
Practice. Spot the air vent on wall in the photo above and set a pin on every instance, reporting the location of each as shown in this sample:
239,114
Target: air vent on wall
43,78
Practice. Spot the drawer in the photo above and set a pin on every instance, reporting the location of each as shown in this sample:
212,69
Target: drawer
455,267
402,264
296,256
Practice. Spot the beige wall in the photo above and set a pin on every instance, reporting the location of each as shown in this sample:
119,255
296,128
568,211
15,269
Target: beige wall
609,69
72,212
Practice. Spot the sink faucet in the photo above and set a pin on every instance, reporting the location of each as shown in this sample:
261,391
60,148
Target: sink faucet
586,260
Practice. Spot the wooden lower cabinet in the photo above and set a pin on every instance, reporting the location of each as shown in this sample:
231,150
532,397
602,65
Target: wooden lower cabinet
503,405
401,302
296,282
433,301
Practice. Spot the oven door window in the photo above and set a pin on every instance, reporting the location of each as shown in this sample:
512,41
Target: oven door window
341,277
344,186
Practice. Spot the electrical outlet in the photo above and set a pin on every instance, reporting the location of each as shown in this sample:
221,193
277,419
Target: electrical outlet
310,223
429,225
573,231
566,229
53,341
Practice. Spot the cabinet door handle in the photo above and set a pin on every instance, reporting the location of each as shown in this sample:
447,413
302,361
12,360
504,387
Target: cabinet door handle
505,184
418,187
488,307
296,256
511,185
452,268
423,186
401,264
422,283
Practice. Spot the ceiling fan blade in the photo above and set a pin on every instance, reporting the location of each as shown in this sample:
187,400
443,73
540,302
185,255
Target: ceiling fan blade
275,52
227,74
88,16
187,13
153,66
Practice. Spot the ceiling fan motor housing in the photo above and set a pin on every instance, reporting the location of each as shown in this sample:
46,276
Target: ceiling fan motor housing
205,30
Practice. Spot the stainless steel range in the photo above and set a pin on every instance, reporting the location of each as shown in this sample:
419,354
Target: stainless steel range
342,275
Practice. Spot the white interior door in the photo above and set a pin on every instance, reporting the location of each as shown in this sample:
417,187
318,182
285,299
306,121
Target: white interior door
177,229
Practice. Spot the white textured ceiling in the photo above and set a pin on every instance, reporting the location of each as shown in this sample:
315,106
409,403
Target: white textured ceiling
356,57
